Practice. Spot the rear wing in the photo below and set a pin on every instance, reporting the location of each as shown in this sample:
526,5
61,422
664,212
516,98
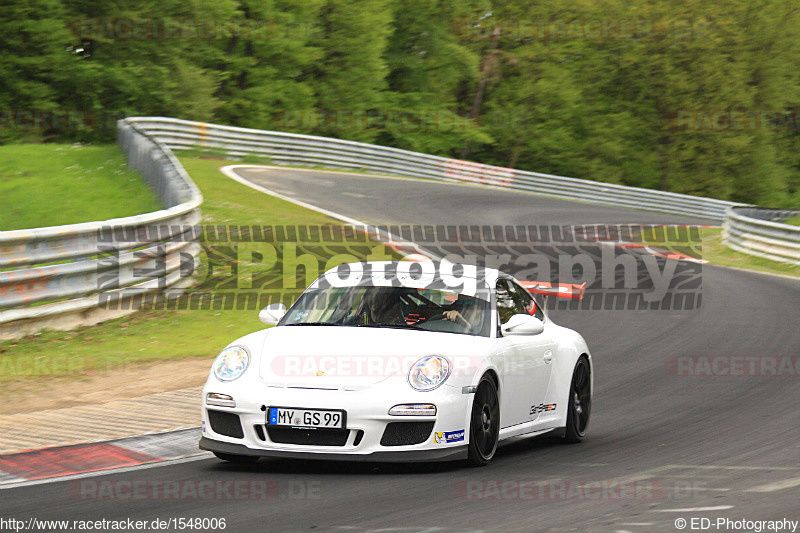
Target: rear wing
559,290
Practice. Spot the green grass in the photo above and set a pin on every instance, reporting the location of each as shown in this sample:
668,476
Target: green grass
229,202
51,185
711,248
716,252
794,221
168,334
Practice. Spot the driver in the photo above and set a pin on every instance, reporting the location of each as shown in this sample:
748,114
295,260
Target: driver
463,305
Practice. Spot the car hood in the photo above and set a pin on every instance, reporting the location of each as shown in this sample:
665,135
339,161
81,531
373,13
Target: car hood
351,358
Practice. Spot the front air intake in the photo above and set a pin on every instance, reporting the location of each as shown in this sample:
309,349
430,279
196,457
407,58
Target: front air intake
227,424
406,433
310,437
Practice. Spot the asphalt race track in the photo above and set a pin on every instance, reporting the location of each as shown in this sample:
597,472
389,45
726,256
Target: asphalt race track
662,445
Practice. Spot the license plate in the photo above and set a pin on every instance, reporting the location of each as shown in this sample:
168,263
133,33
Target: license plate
306,418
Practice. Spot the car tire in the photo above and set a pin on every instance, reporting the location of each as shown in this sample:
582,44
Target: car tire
484,426
579,404
238,459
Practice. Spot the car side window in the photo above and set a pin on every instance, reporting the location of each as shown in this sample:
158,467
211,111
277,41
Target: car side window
526,302
507,305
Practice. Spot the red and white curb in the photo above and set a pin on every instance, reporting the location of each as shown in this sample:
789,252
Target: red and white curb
66,461
655,251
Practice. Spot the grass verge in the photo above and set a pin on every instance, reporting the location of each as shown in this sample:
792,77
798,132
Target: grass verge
51,185
706,243
717,253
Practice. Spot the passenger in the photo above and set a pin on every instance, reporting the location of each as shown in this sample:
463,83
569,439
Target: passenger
381,305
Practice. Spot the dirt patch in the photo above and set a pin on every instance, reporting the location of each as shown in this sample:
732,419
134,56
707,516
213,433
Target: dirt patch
99,387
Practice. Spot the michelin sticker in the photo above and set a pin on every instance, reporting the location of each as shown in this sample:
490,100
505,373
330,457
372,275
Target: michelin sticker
443,437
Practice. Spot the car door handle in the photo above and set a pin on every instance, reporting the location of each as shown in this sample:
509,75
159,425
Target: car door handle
548,356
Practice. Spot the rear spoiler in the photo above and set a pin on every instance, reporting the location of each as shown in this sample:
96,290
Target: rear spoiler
559,290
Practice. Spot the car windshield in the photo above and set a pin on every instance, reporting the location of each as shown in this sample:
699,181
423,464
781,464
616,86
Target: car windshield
426,309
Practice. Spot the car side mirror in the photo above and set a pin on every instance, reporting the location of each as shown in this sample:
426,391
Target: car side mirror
522,325
272,313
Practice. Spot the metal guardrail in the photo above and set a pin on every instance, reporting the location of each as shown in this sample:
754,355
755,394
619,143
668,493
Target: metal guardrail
760,232
306,150
60,276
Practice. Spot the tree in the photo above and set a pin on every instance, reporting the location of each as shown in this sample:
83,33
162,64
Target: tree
37,77
267,74
350,78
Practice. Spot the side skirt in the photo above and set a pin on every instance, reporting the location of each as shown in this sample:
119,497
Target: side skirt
528,429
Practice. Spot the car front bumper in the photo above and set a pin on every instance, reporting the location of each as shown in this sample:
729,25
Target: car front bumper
367,420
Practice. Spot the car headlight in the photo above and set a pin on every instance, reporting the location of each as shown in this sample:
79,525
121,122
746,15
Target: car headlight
231,363
429,372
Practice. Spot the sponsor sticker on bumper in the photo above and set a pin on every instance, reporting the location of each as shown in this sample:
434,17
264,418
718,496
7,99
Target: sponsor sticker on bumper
444,437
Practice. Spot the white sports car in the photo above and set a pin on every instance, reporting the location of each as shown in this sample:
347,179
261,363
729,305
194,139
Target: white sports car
400,361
